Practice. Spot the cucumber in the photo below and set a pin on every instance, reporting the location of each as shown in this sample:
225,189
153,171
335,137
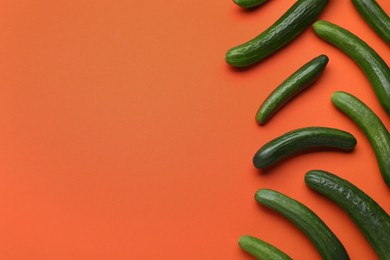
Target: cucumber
326,242
374,67
300,16
302,139
375,16
371,126
298,81
249,3
261,249
372,220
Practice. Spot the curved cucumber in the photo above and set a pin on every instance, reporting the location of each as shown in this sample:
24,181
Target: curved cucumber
300,140
326,242
249,3
261,249
371,125
298,81
372,220
375,16
284,30
375,68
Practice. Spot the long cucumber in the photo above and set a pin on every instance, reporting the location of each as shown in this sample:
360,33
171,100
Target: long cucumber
300,140
291,24
374,67
326,242
249,3
371,126
368,215
294,84
375,16
261,249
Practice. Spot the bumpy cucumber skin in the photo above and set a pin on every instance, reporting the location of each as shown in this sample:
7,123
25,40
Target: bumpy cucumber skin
326,242
249,3
375,16
374,67
298,81
300,16
371,126
302,139
261,249
372,220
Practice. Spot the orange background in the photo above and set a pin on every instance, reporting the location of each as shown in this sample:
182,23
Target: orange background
125,135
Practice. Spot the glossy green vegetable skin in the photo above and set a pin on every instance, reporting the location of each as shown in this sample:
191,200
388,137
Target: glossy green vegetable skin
374,67
261,249
372,220
249,3
300,16
375,16
298,81
300,140
371,125
326,242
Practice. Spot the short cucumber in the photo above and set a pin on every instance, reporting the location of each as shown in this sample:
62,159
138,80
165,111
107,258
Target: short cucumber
249,3
375,16
300,16
372,220
298,81
374,67
302,139
326,242
261,249
371,125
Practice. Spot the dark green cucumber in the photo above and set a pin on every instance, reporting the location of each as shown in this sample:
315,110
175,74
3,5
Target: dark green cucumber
261,249
302,139
249,3
300,16
371,125
326,242
372,220
374,67
298,81
375,16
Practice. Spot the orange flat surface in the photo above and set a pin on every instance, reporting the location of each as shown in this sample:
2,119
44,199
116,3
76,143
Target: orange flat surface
125,135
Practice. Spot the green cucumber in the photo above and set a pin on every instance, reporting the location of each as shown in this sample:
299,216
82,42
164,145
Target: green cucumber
326,242
374,67
372,220
261,249
298,81
375,16
371,125
300,16
300,140
249,3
